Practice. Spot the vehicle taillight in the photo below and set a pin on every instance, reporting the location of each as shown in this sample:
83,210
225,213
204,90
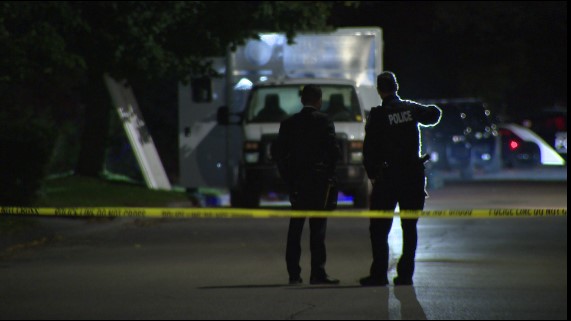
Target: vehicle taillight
356,144
251,152
356,149
513,144
560,123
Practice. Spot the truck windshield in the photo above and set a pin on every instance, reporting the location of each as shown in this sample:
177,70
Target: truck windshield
275,103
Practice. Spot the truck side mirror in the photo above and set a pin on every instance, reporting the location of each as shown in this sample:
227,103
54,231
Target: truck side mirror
225,117
201,89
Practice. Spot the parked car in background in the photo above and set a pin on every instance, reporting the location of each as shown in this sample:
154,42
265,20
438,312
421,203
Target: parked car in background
466,138
523,147
517,152
551,125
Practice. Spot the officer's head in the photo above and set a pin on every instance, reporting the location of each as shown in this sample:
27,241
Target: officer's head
387,83
311,95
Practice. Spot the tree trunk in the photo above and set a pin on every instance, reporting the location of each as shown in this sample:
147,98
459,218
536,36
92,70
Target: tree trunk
93,141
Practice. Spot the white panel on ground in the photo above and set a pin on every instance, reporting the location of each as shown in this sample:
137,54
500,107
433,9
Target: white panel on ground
139,137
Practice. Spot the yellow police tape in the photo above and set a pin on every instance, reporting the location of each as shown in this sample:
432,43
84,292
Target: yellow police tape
269,213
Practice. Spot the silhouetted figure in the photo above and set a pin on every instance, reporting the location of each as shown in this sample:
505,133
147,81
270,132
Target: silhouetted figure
306,153
391,155
337,110
272,112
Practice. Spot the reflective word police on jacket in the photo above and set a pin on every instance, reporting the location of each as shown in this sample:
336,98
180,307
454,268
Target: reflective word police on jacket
392,141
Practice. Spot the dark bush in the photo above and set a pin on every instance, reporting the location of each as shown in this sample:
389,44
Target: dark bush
66,149
26,143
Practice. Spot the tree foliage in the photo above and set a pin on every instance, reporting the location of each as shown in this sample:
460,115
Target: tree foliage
139,38
53,54
60,41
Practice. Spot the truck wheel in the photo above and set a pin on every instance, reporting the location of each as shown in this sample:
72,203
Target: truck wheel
467,173
362,195
252,199
236,198
244,198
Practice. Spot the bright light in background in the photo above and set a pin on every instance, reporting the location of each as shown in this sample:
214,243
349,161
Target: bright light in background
513,145
271,39
244,84
458,138
258,53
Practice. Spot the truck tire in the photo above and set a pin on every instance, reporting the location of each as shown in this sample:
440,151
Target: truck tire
467,173
362,195
244,198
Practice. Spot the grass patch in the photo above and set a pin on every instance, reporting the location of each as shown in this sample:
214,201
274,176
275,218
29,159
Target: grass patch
76,191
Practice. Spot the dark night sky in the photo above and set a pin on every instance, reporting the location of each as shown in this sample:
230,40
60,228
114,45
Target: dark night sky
513,54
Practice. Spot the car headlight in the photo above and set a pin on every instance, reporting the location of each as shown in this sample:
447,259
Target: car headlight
356,157
252,157
356,151
251,152
458,138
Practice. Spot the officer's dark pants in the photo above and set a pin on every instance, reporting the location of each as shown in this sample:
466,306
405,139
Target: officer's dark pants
317,227
311,195
409,194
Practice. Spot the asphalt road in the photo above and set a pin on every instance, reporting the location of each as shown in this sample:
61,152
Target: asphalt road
512,268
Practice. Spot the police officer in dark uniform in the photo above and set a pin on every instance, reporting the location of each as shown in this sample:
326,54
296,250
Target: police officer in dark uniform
306,152
391,155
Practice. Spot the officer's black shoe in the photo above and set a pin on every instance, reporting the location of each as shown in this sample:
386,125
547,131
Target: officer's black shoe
373,281
323,280
295,280
402,281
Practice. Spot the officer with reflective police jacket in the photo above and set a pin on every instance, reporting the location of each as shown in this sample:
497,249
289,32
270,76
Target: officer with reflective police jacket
391,155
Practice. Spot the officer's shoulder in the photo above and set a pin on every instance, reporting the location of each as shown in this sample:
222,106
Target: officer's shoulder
408,102
375,110
415,103
412,105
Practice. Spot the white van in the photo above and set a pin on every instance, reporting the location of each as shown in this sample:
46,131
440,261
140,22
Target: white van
229,146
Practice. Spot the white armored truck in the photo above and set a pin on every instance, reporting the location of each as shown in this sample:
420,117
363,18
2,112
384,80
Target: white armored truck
229,146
